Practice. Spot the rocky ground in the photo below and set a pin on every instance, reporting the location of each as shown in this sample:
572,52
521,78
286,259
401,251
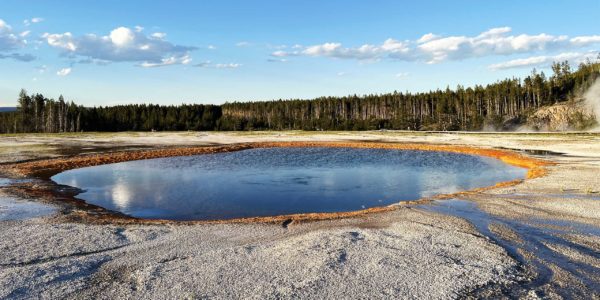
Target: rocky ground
539,239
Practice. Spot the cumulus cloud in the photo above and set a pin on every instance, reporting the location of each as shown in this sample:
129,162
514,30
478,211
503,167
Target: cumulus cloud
8,39
432,48
427,37
544,60
390,47
495,41
122,44
11,41
64,72
585,40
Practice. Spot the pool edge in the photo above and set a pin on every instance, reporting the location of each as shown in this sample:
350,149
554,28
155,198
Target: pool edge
84,212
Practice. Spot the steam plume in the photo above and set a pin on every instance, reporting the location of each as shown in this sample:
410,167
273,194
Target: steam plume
592,101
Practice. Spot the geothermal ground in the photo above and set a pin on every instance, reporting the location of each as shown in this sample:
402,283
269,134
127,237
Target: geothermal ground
536,239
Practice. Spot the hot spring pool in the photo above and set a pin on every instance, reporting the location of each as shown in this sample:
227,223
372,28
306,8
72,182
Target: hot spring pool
279,181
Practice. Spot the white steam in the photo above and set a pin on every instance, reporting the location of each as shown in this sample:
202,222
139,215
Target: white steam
592,100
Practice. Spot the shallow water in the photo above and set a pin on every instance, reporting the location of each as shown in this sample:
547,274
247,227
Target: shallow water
13,209
276,181
538,237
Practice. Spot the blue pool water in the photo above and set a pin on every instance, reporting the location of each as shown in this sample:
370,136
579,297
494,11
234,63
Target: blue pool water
277,181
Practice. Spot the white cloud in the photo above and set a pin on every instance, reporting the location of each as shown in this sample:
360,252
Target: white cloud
389,47
228,66
64,41
32,21
159,35
495,41
42,69
10,42
401,75
172,60
122,37
122,45
204,64
341,73
64,72
544,60
211,47
585,40
433,48
395,46
427,37
209,64
494,32
242,44
282,60
327,49
280,53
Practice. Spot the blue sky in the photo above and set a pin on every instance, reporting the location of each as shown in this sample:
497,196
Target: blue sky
170,52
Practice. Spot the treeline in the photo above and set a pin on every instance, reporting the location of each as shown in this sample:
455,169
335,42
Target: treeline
147,117
495,105
39,114
36,113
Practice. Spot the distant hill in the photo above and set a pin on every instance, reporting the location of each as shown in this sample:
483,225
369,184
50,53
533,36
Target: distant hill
7,109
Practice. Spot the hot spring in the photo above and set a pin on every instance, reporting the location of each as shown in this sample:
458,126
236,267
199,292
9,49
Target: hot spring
280,181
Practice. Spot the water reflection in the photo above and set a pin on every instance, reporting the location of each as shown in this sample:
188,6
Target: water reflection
263,182
121,195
